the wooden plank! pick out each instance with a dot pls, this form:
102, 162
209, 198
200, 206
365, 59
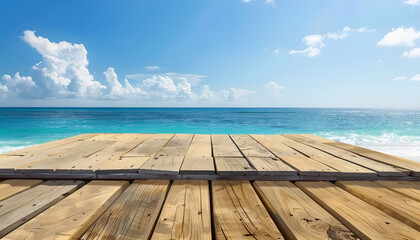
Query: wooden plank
233, 166
123, 165
381, 157
223, 146
344, 167
200, 146
381, 168
9, 165
305, 165
169, 159
71, 217
407, 188
198, 165
133, 214
365, 220
198, 159
297, 215
317, 138
49, 145
122, 144
271, 166
150, 146
251, 148
401, 207
238, 213
11, 187
20, 208
186, 212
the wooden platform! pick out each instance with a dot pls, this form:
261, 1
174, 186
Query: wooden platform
203, 157
201, 209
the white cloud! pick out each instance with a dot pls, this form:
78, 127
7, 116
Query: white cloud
63, 73
379, 61
413, 53
399, 78
63, 69
272, 2
277, 51
400, 37
151, 68
412, 2
415, 77
315, 42
273, 87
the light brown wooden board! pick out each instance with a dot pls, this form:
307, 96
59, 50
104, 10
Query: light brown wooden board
381, 157
169, 159
49, 145
186, 212
306, 166
223, 146
407, 188
297, 215
233, 166
365, 220
238, 213
11, 187
150, 146
271, 166
20, 208
122, 144
381, 168
82, 150
133, 214
71, 217
200, 146
317, 138
250, 147
397, 205
8, 164
197, 165
344, 167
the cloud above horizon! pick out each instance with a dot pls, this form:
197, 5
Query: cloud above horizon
315, 42
63, 73
412, 2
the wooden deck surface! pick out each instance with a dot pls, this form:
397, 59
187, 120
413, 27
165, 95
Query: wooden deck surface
182, 186
203, 157
201, 209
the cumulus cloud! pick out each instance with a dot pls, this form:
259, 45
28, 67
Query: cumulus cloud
399, 78
315, 42
415, 77
400, 37
151, 68
273, 87
63, 73
412, 2
413, 53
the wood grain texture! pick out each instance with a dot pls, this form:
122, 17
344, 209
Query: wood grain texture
186, 212
223, 146
169, 159
198, 165
20, 208
250, 147
150, 146
200, 146
407, 188
233, 166
133, 214
397, 205
381, 168
11, 187
71, 217
365, 220
238, 213
297, 215
271, 166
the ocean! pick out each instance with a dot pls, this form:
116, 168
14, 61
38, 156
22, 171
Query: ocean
387, 130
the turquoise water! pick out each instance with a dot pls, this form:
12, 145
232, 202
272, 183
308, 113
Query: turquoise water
393, 131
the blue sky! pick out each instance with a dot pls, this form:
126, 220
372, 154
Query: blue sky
210, 53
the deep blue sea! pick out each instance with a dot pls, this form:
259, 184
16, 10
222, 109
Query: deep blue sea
393, 131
